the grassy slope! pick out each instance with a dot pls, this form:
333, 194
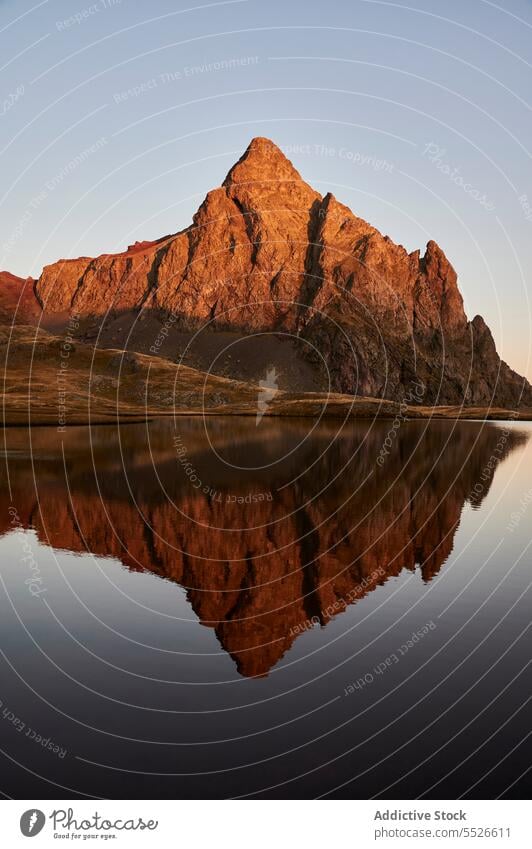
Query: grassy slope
55, 384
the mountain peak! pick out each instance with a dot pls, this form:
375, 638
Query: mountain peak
268, 254
262, 161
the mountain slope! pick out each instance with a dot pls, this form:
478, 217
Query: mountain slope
268, 254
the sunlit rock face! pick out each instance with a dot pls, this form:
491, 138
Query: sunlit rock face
266, 252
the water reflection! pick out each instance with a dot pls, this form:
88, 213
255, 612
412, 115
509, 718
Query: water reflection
271, 530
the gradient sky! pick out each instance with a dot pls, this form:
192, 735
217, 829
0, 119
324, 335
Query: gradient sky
117, 117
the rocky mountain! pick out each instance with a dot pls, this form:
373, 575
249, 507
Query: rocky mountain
266, 254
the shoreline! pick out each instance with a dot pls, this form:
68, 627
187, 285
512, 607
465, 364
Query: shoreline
365, 409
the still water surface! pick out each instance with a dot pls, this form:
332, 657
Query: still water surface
213, 608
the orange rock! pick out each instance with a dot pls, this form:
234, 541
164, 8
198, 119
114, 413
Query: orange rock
267, 252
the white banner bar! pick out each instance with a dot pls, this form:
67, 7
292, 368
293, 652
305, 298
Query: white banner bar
266, 824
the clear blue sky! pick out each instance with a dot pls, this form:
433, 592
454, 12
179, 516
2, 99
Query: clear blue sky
118, 117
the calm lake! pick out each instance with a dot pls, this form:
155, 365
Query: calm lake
218, 608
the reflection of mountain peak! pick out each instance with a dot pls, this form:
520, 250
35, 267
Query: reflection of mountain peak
261, 572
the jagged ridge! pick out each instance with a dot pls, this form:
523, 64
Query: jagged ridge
267, 252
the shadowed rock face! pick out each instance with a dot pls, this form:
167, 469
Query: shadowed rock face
267, 253
261, 561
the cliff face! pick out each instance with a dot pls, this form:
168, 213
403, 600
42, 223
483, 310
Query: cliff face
18, 303
266, 252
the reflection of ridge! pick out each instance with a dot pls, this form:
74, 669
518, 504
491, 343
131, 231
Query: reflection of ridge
261, 574
309, 548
